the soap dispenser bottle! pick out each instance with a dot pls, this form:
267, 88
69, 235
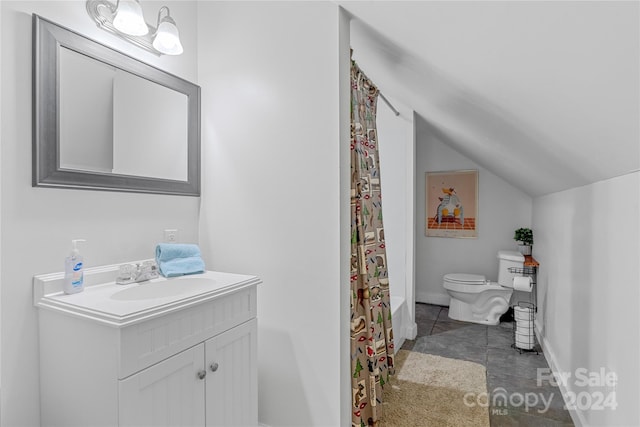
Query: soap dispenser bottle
74, 270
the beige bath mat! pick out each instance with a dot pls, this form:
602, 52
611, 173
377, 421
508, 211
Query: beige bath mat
430, 390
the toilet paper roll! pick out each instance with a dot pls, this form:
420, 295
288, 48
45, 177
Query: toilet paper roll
522, 283
524, 327
523, 317
525, 341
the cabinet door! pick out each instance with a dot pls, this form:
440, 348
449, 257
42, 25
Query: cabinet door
232, 377
170, 393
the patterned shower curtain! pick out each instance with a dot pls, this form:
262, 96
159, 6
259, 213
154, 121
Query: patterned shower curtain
371, 332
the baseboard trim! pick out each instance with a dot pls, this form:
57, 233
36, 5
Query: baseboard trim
432, 298
549, 355
411, 331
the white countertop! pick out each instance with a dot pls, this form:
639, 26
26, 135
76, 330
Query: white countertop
123, 305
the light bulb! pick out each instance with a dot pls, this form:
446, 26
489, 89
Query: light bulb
167, 38
129, 18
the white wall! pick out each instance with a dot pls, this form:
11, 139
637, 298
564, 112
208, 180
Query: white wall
397, 179
502, 209
38, 223
274, 191
587, 243
1, 97
395, 136
344, 69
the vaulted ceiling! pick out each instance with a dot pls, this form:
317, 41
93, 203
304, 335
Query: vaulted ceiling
544, 94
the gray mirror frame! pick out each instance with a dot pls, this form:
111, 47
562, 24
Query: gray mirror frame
48, 37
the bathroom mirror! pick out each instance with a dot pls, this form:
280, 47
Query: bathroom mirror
106, 121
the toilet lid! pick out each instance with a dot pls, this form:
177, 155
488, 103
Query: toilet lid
467, 279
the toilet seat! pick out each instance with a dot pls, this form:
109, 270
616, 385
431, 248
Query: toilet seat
470, 283
465, 279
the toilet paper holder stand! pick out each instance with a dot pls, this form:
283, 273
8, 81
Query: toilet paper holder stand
524, 339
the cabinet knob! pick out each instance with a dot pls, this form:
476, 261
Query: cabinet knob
202, 374
213, 367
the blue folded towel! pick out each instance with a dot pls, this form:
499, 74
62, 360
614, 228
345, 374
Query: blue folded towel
179, 259
167, 251
181, 266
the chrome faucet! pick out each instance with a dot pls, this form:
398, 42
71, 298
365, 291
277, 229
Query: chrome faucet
137, 273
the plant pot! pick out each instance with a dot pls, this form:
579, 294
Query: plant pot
524, 249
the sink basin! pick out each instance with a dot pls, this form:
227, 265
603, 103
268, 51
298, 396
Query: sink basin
164, 289
121, 306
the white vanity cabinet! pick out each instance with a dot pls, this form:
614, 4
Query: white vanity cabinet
178, 360
168, 393
172, 392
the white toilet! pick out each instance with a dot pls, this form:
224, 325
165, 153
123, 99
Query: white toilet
475, 299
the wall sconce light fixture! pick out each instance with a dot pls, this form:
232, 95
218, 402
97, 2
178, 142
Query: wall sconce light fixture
125, 20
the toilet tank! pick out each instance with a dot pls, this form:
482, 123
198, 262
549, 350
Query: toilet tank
507, 260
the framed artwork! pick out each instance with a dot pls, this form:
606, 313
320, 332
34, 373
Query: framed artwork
452, 204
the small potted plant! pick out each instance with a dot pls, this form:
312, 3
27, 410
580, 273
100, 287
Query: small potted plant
524, 237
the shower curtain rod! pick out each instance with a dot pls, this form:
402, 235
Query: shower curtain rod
386, 101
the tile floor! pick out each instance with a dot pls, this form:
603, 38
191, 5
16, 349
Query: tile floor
509, 373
